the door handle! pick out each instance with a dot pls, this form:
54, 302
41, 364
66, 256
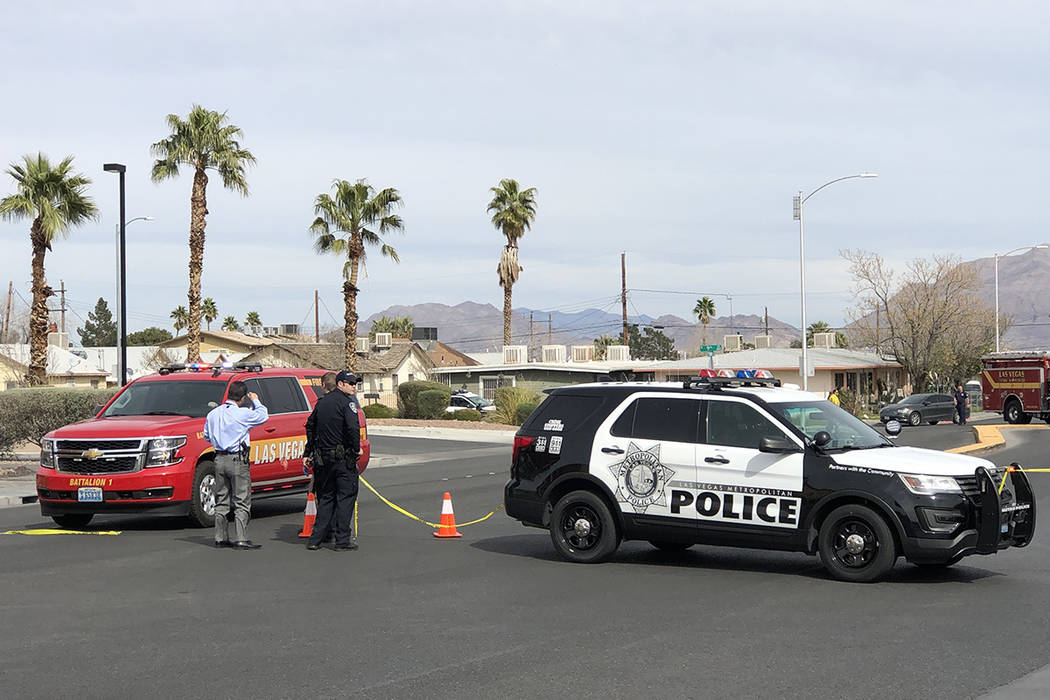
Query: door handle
716, 460
270, 430
614, 450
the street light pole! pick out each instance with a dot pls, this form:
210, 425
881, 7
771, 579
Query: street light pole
997, 256
122, 350
800, 201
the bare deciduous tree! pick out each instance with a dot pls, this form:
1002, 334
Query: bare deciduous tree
928, 317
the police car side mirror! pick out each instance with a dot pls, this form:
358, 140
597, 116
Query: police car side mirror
822, 439
776, 445
893, 428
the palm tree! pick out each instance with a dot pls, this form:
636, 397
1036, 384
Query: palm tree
704, 312
230, 324
355, 215
602, 343
209, 311
180, 316
513, 211
55, 200
204, 141
252, 320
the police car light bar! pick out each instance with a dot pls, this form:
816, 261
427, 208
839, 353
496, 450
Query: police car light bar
707, 381
215, 367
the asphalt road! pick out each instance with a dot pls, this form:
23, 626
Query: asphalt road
157, 612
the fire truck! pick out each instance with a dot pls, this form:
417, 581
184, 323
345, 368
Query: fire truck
1017, 384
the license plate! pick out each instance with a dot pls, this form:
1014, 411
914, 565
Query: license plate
89, 494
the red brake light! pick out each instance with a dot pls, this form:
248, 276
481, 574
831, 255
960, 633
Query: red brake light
520, 441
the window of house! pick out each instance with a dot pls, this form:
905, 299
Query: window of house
411, 377
94, 383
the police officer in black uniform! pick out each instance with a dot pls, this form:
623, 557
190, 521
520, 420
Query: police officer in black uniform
333, 443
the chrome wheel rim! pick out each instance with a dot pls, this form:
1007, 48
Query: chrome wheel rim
206, 492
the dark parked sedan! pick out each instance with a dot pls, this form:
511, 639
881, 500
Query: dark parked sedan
917, 408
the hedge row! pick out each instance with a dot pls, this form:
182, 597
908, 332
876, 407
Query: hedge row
408, 403
378, 410
26, 415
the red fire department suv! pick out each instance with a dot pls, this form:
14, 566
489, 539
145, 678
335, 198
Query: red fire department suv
144, 451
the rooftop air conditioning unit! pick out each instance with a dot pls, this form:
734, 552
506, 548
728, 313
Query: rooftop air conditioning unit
618, 353
824, 340
731, 343
554, 353
515, 354
290, 329
271, 330
582, 353
362, 345
763, 341
383, 340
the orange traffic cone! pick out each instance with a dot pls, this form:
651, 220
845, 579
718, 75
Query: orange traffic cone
448, 519
310, 516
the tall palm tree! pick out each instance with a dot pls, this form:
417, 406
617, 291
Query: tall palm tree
54, 198
354, 216
204, 141
513, 211
180, 317
704, 312
209, 311
230, 324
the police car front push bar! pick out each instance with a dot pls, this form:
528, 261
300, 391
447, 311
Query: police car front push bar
1000, 526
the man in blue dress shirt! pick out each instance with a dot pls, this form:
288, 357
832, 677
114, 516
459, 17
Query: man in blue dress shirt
226, 428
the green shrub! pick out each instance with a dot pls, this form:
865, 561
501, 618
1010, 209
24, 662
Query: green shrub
432, 403
523, 411
26, 415
378, 410
467, 415
408, 394
507, 400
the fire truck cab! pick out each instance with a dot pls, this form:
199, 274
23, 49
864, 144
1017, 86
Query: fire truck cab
1017, 384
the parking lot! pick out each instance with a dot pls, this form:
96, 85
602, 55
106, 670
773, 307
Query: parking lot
157, 611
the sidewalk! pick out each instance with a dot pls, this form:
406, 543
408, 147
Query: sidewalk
433, 433
16, 488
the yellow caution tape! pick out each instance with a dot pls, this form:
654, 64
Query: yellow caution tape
53, 531
1017, 468
404, 512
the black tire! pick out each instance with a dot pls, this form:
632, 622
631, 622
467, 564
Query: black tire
856, 544
73, 521
582, 528
932, 422
202, 513
1012, 412
670, 546
915, 418
1026, 418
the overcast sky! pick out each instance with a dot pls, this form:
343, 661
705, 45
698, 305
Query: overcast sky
677, 132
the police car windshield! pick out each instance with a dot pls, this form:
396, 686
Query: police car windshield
846, 430
168, 398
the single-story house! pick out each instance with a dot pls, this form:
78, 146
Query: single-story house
380, 370
228, 344
865, 373
484, 379
63, 368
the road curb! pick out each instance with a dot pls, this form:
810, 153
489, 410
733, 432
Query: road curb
496, 436
988, 437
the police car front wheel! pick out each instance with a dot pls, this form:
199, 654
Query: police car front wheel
856, 544
582, 528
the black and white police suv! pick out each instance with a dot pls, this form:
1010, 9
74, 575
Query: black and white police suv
746, 463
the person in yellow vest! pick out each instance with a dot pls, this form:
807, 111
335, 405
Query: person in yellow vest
833, 397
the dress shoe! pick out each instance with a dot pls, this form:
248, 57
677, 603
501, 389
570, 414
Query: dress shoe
246, 544
345, 547
313, 547
219, 544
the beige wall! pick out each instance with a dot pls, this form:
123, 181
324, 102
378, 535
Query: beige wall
384, 384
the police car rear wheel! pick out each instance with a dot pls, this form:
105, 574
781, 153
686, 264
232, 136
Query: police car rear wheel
856, 544
582, 528
670, 546
73, 521
202, 500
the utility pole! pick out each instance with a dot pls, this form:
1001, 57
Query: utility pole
623, 293
7, 314
62, 292
317, 323
767, 320
530, 337
550, 335
876, 330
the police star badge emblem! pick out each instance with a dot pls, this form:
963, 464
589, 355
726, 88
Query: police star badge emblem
641, 478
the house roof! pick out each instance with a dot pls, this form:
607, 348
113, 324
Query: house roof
331, 356
592, 367
60, 362
446, 356
777, 359
253, 341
